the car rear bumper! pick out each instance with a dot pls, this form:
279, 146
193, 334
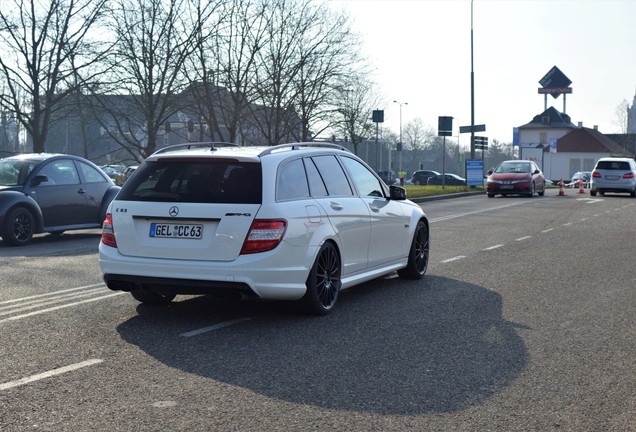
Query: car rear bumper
602, 186
257, 275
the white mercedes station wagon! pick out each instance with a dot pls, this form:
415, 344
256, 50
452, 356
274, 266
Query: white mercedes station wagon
289, 222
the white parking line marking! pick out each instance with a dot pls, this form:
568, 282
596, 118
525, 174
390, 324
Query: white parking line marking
26, 315
49, 374
493, 247
523, 238
458, 257
214, 327
567, 224
54, 293
9, 309
547, 230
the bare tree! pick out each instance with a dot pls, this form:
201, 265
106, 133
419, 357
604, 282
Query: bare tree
154, 40
418, 137
328, 56
355, 110
622, 115
222, 71
45, 46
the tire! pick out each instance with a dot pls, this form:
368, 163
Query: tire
149, 297
593, 193
542, 191
532, 191
491, 195
418, 254
632, 194
19, 227
323, 282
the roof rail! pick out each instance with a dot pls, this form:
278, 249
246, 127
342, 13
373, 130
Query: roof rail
185, 146
298, 145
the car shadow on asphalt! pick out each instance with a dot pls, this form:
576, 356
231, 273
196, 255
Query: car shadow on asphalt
390, 347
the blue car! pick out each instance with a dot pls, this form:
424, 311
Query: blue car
51, 193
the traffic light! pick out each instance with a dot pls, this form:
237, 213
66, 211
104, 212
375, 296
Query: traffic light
166, 126
190, 126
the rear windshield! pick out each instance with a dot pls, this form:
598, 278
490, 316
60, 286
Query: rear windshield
613, 165
199, 181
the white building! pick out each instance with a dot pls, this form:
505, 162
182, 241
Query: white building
561, 148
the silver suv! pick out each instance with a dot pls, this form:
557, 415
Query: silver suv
290, 222
613, 174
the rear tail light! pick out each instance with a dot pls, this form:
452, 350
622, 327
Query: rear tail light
108, 233
264, 235
595, 174
628, 175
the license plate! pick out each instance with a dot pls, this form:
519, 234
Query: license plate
506, 186
612, 177
179, 231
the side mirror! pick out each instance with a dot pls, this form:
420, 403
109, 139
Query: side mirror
39, 179
397, 193
489, 172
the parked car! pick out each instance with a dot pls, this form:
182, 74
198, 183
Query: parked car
578, 177
114, 170
421, 177
289, 222
515, 177
126, 173
388, 177
447, 179
51, 193
612, 174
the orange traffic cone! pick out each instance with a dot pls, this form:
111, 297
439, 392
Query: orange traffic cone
561, 188
581, 190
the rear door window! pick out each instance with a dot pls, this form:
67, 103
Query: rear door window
333, 176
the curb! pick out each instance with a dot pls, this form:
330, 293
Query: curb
446, 196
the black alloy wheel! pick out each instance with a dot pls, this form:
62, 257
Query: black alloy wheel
418, 255
323, 282
19, 227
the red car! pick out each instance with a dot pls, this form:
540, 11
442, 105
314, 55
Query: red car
515, 177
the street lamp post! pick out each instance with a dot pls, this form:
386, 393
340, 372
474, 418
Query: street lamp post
401, 143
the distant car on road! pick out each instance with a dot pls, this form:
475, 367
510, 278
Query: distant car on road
447, 180
614, 174
515, 177
51, 193
421, 177
584, 176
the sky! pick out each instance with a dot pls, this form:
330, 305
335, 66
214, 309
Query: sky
420, 52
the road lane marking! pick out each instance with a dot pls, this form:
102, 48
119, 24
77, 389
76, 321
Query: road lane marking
213, 327
493, 247
523, 238
454, 216
49, 374
547, 230
458, 257
26, 315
